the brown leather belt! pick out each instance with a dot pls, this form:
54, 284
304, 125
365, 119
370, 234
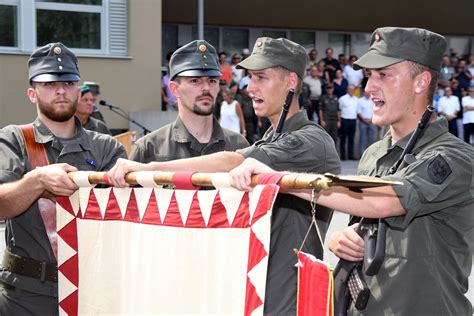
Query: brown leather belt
29, 267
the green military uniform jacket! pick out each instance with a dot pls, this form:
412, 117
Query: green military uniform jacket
173, 141
303, 146
25, 234
428, 258
330, 107
97, 126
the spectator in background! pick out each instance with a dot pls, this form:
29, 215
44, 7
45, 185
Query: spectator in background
471, 68
354, 77
331, 64
84, 110
237, 74
250, 118
226, 69
446, 73
314, 84
348, 107
312, 58
329, 113
245, 53
340, 84
232, 117
323, 75
449, 106
463, 75
343, 60
468, 115
168, 97
367, 130
95, 90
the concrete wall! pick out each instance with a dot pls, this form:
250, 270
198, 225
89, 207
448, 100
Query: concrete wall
132, 83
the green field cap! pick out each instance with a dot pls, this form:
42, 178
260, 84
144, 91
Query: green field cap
391, 45
269, 52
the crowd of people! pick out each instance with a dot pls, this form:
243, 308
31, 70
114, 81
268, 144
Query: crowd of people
333, 96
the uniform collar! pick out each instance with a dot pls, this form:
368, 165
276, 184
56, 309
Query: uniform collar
44, 135
433, 130
181, 134
291, 124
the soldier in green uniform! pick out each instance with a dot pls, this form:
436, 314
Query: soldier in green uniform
28, 279
85, 107
430, 218
276, 65
329, 113
194, 74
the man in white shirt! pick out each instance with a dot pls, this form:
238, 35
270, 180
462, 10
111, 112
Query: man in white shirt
468, 115
449, 106
367, 130
348, 107
312, 80
353, 77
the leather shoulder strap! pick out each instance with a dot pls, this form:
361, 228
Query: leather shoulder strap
35, 151
38, 157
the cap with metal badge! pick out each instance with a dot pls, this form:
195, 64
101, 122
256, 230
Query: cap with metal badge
391, 45
269, 52
53, 62
195, 59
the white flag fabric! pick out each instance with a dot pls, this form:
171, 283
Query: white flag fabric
153, 251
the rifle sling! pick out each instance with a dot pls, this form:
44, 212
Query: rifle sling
38, 157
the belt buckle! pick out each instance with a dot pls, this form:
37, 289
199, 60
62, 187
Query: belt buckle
43, 272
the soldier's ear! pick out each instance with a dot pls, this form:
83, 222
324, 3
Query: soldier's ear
422, 81
31, 92
173, 86
293, 82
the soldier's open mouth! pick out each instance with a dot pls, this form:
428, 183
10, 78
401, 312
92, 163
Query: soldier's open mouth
378, 102
257, 100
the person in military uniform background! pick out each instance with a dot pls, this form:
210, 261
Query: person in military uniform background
329, 113
28, 279
429, 218
94, 88
194, 74
85, 107
276, 65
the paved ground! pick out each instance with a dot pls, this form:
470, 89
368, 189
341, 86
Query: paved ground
339, 221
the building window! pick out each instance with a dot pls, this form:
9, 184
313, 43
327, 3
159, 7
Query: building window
211, 35
304, 38
8, 26
169, 41
96, 27
234, 40
274, 33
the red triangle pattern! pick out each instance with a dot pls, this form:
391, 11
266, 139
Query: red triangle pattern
152, 215
252, 300
173, 216
69, 234
265, 202
132, 214
256, 251
195, 219
242, 217
70, 269
218, 218
70, 304
92, 210
65, 204
112, 211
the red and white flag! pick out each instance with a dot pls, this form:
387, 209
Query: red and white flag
159, 251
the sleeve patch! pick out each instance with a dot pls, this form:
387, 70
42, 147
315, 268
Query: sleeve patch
290, 141
439, 170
